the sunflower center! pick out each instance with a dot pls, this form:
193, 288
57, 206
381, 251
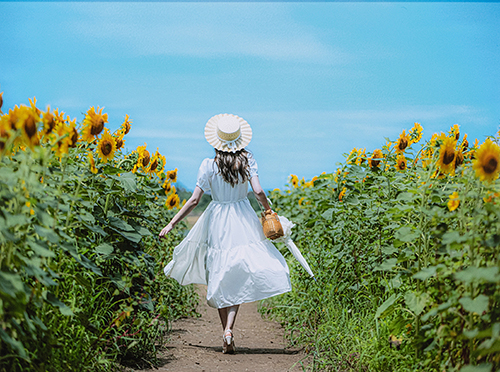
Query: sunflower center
459, 161
145, 159
403, 143
106, 147
154, 165
448, 157
490, 166
375, 163
97, 127
119, 144
30, 126
402, 165
172, 202
2, 145
74, 138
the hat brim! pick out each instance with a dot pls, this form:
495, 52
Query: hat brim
215, 141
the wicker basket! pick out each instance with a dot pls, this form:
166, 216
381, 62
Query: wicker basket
271, 225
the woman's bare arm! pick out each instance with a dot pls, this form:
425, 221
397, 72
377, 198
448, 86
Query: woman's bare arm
185, 210
259, 192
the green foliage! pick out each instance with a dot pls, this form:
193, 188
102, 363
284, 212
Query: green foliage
81, 280
405, 282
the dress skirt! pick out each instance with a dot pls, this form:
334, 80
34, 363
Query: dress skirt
227, 251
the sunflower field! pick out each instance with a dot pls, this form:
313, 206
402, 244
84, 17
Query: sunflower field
81, 280
405, 244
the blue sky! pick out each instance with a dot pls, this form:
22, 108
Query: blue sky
313, 80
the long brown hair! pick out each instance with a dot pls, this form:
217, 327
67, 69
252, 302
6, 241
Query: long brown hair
233, 166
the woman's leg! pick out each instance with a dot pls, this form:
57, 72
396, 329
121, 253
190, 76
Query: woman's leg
223, 317
232, 311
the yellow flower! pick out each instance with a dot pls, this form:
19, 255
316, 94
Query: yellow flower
49, 122
446, 161
342, 194
455, 132
295, 180
173, 201
352, 155
27, 120
374, 160
126, 125
490, 197
153, 164
401, 163
106, 147
415, 133
360, 156
453, 202
487, 161
309, 184
93, 168
64, 137
93, 124
120, 142
301, 200
172, 175
402, 142
459, 158
167, 186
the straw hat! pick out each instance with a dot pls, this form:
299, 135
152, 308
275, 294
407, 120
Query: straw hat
227, 132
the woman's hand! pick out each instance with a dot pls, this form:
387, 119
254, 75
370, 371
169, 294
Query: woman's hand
165, 230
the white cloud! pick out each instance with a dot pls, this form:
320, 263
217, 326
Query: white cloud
205, 30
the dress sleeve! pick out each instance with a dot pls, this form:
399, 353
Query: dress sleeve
203, 176
252, 163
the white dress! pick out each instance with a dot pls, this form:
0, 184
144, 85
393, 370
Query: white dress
226, 248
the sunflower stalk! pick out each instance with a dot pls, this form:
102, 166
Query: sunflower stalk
106, 205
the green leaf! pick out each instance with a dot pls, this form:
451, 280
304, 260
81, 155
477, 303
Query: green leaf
11, 283
453, 237
474, 274
127, 180
327, 215
485, 367
425, 273
120, 224
387, 307
49, 234
406, 234
416, 302
387, 265
53, 300
14, 344
41, 249
477, 305
104, 249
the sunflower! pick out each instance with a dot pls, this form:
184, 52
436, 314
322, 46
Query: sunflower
415, 133
454, 132
402, 142
459, 157
93, 124
93, 168
401, 163
27, 120
301, 200
172, 175
453, 202
360, 156
1, 102
373, 161
4, 132
342, 194
153, 164
106, 147
167, 186
49, 122
73, 133
126, 125
487, 161
173, 201
446, 161
62, 134
120, 142
465, 143
295, 180
352, 155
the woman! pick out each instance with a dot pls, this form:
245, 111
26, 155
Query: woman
226, 248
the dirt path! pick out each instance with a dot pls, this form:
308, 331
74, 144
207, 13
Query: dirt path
196, 344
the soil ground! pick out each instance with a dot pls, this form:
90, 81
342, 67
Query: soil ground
196, 344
